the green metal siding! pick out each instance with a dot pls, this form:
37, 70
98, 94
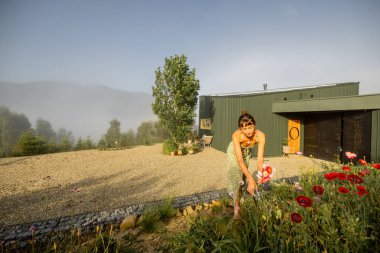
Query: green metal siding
226, 109
375, 136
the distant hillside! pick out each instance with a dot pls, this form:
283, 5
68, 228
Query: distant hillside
84, 110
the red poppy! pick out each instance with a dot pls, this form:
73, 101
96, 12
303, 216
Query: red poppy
364, 173
362, 190
328, 176
361, 161
317, 189
331, 176
342, 176
296, 217
346, 168
354, 179
376, 166
343, 189
304, 201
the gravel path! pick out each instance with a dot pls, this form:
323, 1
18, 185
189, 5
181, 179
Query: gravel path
55, 185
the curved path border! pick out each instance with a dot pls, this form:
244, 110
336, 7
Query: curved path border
54, 229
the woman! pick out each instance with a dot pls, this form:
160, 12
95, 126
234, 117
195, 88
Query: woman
238, 154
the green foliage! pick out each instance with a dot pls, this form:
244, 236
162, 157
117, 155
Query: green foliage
44, 129
88, 144
195, 147
128, 139
79, 144
168, 146
102, 143
150, 132
148, 220
175, 93
12, 125
65, 140
166, 210
145, 133
65, 144
112, 137
154, 213
335, 222
30, 144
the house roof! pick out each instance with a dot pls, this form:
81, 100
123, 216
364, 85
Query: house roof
258, 92
345, 103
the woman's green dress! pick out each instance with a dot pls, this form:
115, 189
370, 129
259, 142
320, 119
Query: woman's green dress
236, 179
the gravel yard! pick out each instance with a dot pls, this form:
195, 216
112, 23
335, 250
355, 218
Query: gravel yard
50, 186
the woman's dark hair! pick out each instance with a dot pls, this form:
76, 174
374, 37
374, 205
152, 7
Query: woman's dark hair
246, 119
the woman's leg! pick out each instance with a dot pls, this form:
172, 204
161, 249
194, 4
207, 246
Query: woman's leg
237, 203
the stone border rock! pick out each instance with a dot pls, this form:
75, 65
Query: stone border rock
43, 231
55, 229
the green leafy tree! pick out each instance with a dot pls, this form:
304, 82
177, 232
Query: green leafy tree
175, 93
65, 144
12, 125
88, 143
102, 143
128, 139
30, 144
65, 140
161, 133
145, 133
79, 144
112, 137
44, 128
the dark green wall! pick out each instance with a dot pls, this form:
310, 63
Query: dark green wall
226, 109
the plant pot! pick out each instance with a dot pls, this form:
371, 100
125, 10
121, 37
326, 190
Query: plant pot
172, 153
179, 152
285, 150
191, 151
189, 141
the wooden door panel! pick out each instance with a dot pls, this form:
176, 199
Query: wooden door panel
310, 136
357, 133
294, 131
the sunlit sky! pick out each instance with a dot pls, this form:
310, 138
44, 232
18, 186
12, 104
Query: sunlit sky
235, 46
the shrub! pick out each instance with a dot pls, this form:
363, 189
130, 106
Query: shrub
148, 220
168, 146
166, 210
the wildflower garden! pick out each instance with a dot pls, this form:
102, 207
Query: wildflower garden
334, 211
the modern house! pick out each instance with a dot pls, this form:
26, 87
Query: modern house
322, 121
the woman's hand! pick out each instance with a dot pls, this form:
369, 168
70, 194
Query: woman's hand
251, 186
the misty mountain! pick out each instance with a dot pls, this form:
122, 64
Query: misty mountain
84, 110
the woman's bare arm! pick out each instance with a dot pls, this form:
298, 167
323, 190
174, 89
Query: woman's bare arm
260, 151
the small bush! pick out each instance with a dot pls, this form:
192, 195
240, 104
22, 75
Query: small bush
149, 220
168, 146
166, 210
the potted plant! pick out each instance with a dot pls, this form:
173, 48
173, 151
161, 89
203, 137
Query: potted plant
179, 151
285, 147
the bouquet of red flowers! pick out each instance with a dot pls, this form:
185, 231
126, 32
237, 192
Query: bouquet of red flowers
266, 174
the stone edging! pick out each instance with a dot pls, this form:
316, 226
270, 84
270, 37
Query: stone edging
54, 229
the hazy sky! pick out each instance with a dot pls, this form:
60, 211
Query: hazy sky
235, 46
